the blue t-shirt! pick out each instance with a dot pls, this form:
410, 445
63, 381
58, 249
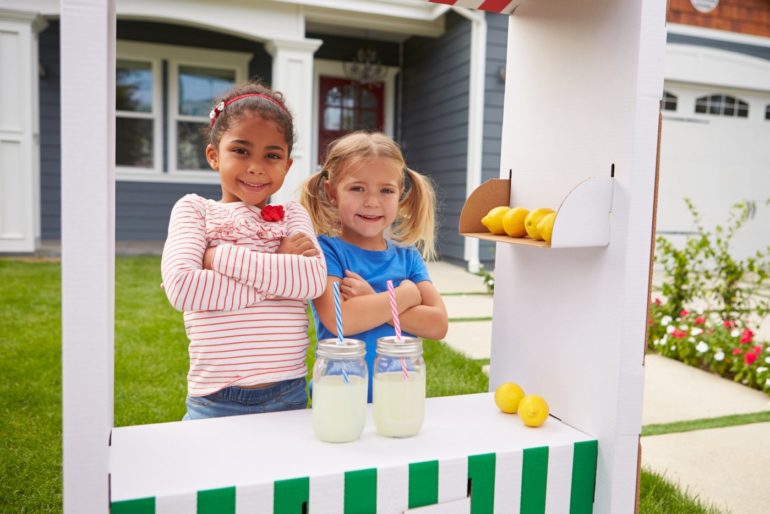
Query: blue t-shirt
396, 263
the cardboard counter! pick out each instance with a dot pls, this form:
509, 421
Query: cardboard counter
266, 463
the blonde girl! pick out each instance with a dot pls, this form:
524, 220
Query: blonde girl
241, 269
375, 220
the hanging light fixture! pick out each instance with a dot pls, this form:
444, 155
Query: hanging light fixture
366, 67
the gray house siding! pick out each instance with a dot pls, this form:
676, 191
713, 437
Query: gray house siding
434, 127
50, 123
494, 92
761, 52
142, 208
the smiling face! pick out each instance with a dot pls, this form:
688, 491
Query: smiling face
252, 159
366, 197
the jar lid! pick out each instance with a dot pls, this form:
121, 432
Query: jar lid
404, 347
349, 348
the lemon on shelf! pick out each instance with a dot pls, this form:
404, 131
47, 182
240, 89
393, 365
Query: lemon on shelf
533, 410
507, 397
494, 219
513, 222
532, 220
545, 227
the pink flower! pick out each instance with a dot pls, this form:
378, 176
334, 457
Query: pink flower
757, 349
737, 351
750, 358
747, 336
728, 323
657, 301
272, 212
700, 320
683, 313
678, 334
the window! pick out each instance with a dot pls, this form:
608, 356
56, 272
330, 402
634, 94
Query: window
722, 105
197, 87
163, 98
669, 101
767, 112
346, 106
137, 114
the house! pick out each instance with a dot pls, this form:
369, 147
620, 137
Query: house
715, 142
437, 75
439, 94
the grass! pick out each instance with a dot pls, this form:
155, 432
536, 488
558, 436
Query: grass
658, 496
703, 424
150, 368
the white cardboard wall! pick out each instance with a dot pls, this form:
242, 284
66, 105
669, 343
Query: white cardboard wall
582, 93
88, 248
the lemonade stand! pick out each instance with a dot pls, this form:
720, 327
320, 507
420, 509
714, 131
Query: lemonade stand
580, 134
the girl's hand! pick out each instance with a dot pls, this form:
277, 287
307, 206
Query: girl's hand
413, 292
354, 285
298, 244
208, 257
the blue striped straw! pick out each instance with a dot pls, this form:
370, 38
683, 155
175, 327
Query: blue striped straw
338, 315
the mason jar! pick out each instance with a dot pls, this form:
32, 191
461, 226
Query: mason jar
340, 382
399, 386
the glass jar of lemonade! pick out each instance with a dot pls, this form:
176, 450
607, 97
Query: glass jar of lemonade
340, 382
399, 386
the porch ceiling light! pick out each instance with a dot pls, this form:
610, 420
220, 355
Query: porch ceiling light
366, 67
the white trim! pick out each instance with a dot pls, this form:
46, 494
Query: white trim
19, 134
478, 53
719, 35
715, 67
330, 68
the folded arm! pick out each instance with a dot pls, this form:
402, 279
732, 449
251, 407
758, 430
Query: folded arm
429, 319
361, 313
187, 285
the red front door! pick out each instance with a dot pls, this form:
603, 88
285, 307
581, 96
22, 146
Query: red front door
346, 106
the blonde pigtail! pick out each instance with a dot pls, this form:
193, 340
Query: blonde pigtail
313, 199
416, 223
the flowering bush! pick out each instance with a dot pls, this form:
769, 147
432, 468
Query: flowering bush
726, 347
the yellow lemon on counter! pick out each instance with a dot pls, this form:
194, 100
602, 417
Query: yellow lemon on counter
494, 219
532, 220
507, 397
513, 222
533, 410
545, 227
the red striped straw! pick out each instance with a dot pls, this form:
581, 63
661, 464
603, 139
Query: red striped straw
396, 324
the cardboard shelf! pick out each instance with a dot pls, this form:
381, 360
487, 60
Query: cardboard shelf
582, 219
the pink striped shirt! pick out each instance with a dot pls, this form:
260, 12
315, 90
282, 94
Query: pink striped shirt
246, 318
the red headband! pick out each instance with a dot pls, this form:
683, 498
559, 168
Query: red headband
217, 110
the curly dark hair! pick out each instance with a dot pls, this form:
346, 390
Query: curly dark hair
267, 109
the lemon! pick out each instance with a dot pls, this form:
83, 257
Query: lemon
494, 219
533, 218
507, 397
533, 410
545, 227
513, 222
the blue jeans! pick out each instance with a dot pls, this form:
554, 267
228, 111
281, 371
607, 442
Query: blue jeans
234, 401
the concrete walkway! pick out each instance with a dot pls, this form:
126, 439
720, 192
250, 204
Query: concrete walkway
726, 467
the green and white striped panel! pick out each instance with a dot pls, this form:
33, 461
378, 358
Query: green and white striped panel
558, 479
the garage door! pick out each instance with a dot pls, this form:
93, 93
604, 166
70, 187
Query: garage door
715, 149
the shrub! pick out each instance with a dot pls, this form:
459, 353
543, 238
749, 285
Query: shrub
707, 341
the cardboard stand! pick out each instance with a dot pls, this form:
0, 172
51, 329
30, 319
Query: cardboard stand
582, 219
582, 90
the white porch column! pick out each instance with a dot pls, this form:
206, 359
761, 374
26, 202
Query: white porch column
293, 76
19, 131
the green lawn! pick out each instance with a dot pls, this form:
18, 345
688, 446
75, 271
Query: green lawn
150, 368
